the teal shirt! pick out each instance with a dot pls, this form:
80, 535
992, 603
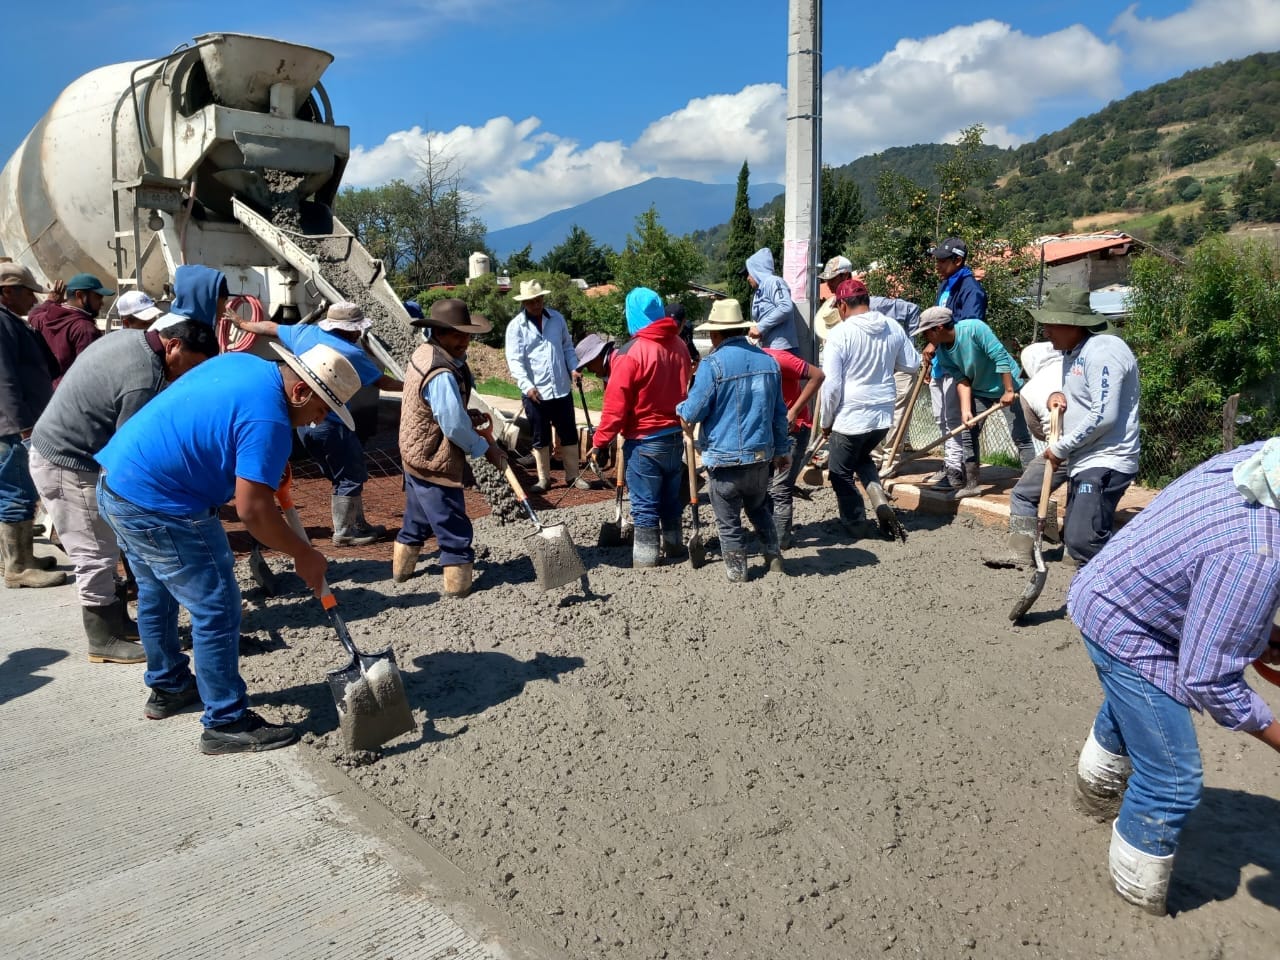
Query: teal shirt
979, 357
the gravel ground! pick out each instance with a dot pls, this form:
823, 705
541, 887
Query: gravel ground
862, 758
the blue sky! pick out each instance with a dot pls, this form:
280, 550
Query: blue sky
547, 103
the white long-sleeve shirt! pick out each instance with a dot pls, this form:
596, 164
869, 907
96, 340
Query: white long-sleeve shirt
859, 361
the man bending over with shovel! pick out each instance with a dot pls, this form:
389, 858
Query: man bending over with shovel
649, 375
437, 434
223, 430
737, 397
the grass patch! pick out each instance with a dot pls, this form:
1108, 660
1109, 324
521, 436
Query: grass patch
496, 387
1001, 459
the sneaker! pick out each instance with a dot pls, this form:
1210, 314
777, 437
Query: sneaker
163, 704
249, 734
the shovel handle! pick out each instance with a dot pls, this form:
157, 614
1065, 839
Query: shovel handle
904, 424
693, 473
961, 429
330, 604
521, 496
1046, 486
622, 467
582, 395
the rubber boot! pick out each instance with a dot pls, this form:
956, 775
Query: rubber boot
1101, 778
543, 460
952, 480
347, 530
783, 529
377, 528
104, 626
644, 548
1019, 548
1139, 878
128, 626
853, 516
886, 518
15, 540
673, 547
773, 564
972, 487
404, 558
936, 477
735, 566
457, 580
1052, 532
572, 478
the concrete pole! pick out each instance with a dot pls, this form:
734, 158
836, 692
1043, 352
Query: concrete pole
802, 226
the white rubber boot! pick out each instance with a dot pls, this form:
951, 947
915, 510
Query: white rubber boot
1101, 777
572, 478
543, 459
1138, 877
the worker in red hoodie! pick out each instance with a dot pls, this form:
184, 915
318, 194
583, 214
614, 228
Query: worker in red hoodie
68, 328
649, 375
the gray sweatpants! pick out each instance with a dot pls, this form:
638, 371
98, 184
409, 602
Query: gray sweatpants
71, 499
735, 489
946, 411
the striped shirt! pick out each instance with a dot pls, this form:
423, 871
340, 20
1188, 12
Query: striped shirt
1185, 594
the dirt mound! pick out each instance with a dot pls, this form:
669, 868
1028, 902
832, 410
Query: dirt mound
861, 758
488, 363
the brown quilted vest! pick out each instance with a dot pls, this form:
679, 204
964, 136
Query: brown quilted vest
424, 450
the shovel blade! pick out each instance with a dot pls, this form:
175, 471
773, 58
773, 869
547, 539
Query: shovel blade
1034, 586
610, 534
261, 573
555, 558
697, 550
372, 706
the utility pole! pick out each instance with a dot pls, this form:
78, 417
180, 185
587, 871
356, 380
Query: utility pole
803, 218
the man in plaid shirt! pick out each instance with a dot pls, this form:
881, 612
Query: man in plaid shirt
1172, 610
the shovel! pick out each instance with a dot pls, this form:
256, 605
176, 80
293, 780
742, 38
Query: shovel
697, 550
555, 558
904, 425
616, 532
261, 572
1041, 573
585, 439
916, 454
372, 706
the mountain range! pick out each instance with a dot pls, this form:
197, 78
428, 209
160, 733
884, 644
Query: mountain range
685, 206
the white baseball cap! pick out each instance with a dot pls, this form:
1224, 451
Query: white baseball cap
135, 303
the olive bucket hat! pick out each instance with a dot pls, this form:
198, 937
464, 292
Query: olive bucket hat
1068, 308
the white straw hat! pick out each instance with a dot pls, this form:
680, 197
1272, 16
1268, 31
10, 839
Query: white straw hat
529, 290
725, 315
328, 373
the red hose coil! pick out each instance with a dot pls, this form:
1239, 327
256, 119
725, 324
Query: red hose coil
231, 339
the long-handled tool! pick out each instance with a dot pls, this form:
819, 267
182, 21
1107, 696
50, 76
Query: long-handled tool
916, 454
904, 425
260, 571
615, 532
368, 691
697, 549
1041, 573
555, 558
586, 440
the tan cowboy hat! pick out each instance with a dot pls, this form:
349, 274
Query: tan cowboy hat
529, 290
452, 314
826, 319
725, 315
328, 373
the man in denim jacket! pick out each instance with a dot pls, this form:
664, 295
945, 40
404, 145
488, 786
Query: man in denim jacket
737, 397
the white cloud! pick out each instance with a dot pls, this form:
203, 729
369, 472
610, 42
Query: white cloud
923, 90
1206, 32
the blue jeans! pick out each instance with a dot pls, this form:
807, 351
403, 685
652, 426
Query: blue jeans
1156, 732
187, 561
18, 496
430, 508
654, 467
338, 452
782, 483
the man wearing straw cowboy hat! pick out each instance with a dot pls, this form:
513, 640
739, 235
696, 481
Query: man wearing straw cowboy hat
542, 361
222, 431
437, 434
335, 448
649, 376
737, 397
1099, 445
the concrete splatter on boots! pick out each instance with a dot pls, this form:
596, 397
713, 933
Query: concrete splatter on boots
1052, 532
404, 558
946, 480
644, 548
972, 485
543, 459
349, 528
1019, 548
104, 626
20, 569
1139, 877
673, 547
1101, 778
735, 566
457, 580
773, 563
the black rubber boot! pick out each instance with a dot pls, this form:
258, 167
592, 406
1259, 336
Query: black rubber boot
104, 626
735, 566
645, 548
673, 547
349, 528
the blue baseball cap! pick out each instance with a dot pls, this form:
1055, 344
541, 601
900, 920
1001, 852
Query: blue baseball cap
87, 282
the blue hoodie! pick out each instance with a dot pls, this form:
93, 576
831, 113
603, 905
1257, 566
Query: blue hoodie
195, 293
772, 311
643, 307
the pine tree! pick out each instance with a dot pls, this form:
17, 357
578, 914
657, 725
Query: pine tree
741, 243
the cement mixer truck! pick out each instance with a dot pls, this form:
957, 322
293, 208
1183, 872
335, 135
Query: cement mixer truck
223, 152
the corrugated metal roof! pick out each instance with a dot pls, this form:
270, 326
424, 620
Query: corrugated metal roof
1064, 249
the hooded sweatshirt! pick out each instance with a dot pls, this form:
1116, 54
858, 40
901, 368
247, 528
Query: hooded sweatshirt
859, 362
643, 308
196, 291
649, 376
67, 330
772, 310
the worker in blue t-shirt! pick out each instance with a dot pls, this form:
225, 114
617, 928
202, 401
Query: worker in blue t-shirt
330, 443
222, 431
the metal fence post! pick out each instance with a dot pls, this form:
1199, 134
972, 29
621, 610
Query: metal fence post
1229, 410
